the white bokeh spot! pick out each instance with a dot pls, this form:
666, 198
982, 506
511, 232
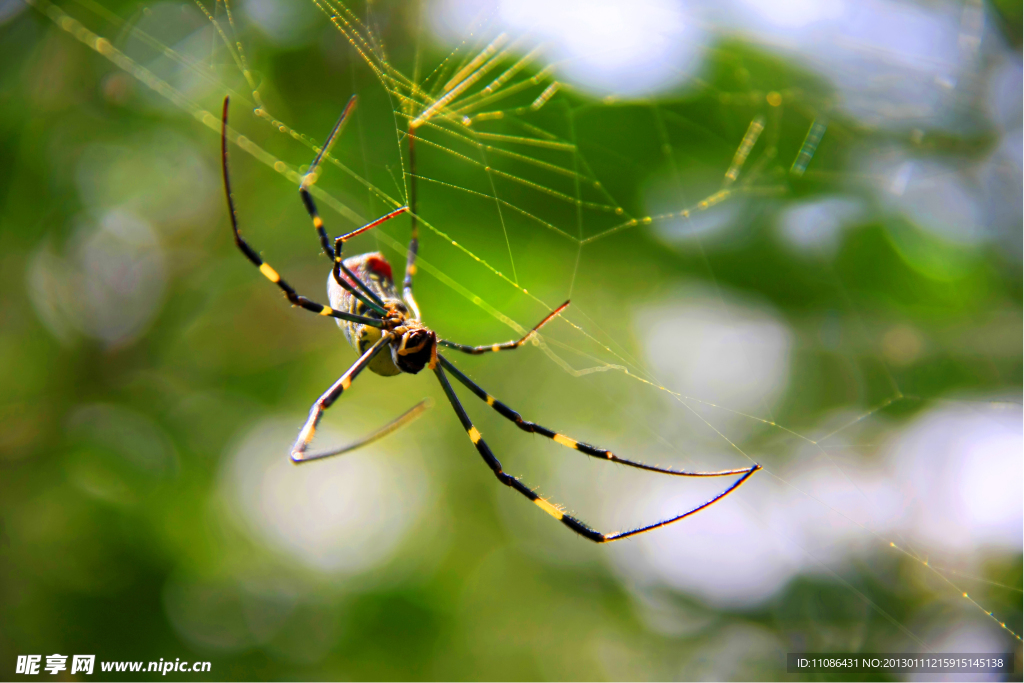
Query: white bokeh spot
346, 515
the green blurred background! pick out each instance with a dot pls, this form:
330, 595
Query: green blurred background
855, 328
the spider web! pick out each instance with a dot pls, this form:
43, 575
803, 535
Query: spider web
494, 111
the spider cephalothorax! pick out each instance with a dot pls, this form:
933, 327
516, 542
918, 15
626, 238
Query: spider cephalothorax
366, 306
414, 346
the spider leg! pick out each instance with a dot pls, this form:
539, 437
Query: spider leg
312, 175
254, 258
399, 422
505, 346
339, 263
593, 451
414, 239
334, 252
298, 452
555, 511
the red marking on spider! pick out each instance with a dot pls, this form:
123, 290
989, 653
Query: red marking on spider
379, 266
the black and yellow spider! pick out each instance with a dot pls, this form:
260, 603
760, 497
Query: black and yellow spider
366, 306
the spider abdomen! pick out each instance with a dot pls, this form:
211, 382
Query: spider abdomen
375, 272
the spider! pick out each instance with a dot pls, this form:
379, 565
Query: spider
388, 333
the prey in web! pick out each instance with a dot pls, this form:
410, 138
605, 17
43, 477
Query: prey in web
387, 331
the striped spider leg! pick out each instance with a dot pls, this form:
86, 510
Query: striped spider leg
313, 174
555, 511
268, 272
414, 239
348, 281
504, 346
340, 267
306, 434
298, 452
